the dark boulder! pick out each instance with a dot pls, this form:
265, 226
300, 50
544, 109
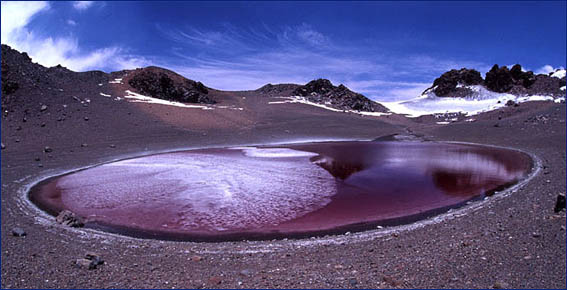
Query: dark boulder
163, 84
499, 79
525, 79
18, 232
560, 203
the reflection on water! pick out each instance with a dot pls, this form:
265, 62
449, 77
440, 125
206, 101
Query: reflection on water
280, 191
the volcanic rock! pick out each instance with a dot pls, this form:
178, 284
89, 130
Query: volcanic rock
95, 258
560, 203
215, 280
452, 81
499, 79
322, 91
246, 272
510, 103
545, 85
277, 90
515, 81
500, 285
18, 232
70, 219
525, 79
84, 264
164, 84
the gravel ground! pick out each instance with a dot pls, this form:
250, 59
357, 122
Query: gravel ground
510, 240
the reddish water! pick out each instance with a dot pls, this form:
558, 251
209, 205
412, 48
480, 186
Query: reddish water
288, 191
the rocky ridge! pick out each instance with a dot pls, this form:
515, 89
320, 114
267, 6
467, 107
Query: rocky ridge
277, 90
165, 84
322, 91
515, 81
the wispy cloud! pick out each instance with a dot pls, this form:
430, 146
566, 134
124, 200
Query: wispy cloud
82, 5
241, 59
50, 51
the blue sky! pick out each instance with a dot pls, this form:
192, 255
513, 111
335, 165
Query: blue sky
385, 50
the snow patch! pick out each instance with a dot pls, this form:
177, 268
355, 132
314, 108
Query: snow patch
481, 101
115, 81
105, 95
137, 98
303, 100
560, 73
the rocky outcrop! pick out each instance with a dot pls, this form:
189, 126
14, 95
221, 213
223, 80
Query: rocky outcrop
163, 84
547, 86
25, 83
502, 80
68, 218
277, 90
515, 81
452, 82
322, 91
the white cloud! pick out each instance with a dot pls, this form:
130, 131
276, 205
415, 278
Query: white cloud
82, 5
16, 15
50, 51
547, 69
71, 22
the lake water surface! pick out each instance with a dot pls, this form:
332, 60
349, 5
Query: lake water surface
285, 191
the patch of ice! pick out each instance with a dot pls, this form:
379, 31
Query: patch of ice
559, 74
303, 100
276, 153
193, 191
105, 95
